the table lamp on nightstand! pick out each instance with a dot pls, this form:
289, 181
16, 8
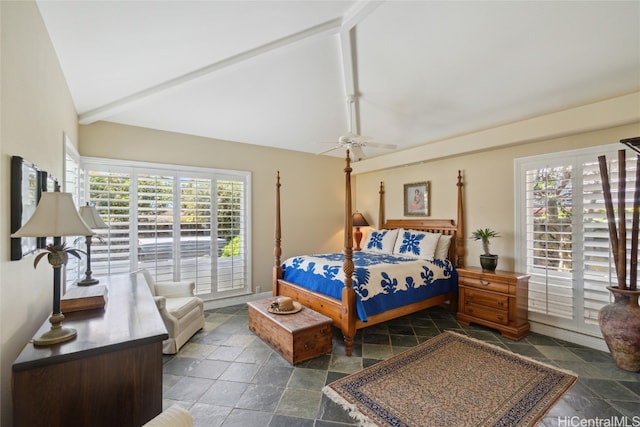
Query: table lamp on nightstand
55, 216
358, 221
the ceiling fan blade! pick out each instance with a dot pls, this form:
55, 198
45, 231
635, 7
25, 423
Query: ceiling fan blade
358, 154
354, 141
347, 138
362, 138
322, 144
335, 147
381, 145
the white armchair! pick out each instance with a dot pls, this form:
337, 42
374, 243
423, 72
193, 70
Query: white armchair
181, 311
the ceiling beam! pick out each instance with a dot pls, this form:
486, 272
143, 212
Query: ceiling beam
351, 19
107, 110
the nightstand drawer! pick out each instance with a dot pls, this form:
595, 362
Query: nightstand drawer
486, 313
471, 296
488, 285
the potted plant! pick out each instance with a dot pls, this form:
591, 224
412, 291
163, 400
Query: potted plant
488, 261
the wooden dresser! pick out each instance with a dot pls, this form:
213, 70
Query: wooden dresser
497, 300
109, 375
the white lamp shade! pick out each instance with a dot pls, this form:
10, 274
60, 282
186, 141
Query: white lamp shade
55, 216
91, 217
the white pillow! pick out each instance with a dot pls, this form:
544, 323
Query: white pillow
417, 244
442, 249
380, 241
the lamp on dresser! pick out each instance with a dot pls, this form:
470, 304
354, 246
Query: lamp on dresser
358, 221
55, 216
91, 217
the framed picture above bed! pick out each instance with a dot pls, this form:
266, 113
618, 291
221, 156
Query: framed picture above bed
416, 199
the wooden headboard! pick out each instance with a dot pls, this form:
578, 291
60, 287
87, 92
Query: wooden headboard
446, 227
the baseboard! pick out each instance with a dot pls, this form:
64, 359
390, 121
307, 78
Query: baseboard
570, 336
225, 302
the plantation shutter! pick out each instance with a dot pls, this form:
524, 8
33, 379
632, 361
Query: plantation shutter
187, 224
111, 249
564, 243
155, 224
196, 235
71, 182
549, 240
597, 258
598, 265
232, 228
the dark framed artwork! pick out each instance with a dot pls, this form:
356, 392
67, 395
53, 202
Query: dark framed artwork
49, 183
26, 186
416, 199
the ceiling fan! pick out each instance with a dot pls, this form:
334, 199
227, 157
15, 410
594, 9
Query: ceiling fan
354, 142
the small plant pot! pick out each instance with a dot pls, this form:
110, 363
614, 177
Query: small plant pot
489, 262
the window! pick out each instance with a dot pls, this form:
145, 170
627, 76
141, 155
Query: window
70, 183
180, 223
549, 239
563, 238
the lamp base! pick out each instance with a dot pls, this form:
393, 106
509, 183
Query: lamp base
88, 281
357, 234
57, 333
54, 336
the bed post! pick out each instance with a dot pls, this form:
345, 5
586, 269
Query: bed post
348, 320
277, 250
381, 206
460, 229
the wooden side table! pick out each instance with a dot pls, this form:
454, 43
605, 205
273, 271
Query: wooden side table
498, 300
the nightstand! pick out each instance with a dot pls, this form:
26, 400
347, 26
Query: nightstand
497, 300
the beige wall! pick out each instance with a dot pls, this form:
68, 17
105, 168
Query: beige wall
312, 186
36, 110
488, 187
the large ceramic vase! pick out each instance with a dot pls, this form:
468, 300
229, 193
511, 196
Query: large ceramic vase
620, 326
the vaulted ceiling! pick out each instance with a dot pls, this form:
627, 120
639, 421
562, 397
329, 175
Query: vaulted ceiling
277, 73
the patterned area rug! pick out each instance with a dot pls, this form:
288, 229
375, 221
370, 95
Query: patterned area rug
451, 380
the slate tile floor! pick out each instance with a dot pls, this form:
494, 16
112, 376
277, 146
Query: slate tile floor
226, 376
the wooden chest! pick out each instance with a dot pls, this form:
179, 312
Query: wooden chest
296, 337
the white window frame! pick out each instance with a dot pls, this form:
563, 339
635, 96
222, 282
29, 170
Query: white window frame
576, 326
72, 184
135, 167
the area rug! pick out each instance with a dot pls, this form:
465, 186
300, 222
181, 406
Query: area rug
452, 380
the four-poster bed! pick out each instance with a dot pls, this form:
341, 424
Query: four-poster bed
345, 308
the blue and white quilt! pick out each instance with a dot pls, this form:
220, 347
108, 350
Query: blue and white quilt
381, 281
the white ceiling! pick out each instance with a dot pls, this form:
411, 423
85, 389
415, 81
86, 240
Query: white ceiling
276, 73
